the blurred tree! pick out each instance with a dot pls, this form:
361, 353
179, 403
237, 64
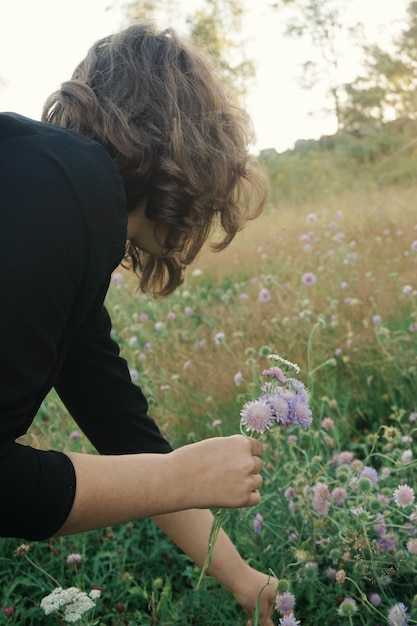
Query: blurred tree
216, 25
387, 89
324, 23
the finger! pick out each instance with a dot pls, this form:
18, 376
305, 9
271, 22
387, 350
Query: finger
257, 482
256, 446
257, 465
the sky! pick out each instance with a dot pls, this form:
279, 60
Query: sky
41, 41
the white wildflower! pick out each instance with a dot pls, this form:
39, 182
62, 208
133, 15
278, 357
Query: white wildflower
73, 602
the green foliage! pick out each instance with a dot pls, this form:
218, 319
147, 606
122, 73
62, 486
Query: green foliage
376, 155
215, 26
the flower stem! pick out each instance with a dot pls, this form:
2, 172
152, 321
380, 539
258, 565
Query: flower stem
214, 533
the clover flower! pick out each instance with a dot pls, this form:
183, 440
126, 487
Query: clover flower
398, 615
403, 496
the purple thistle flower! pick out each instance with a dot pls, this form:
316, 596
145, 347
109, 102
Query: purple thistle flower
288, 620
414, 246
237, 379
369, 472
257, 416
398, 615
339, 495
257, 523
321, 497
403, 496
74, 559
284, 602
386, 543
279, 407
264, 295
308, 279
299, 388
302, 412
412, 546
375, 599
275, 372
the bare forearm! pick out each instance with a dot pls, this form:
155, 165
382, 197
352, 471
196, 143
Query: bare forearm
115, 489
190, 531
218, 472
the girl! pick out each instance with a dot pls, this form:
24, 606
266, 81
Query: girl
140, 156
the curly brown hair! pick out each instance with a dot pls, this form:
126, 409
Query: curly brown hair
158, 105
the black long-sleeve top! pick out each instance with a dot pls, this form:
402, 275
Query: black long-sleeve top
63, 225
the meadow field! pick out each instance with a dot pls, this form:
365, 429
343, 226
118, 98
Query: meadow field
326, 278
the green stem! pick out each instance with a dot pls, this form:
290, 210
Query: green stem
214, 533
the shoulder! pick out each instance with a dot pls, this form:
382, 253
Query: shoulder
64, 179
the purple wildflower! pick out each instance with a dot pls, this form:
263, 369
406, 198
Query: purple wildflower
284, 602
279, 407
398, 615
369, 472
237, 379
339, 495
257, 416
327, 423
386, 543
257, 523
375, 599
134, 374
308, 279
377, 320
264, 295
117, 278
412, 546
288, 620
74, 559
321, 497
275, 372
403, 496
302, 412
8, 611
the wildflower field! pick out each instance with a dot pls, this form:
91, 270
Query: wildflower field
328, 282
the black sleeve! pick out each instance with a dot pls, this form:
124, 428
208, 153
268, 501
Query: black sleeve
37, 489
96, 387
62, 229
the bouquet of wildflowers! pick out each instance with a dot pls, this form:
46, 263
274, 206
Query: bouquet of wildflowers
283, 402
